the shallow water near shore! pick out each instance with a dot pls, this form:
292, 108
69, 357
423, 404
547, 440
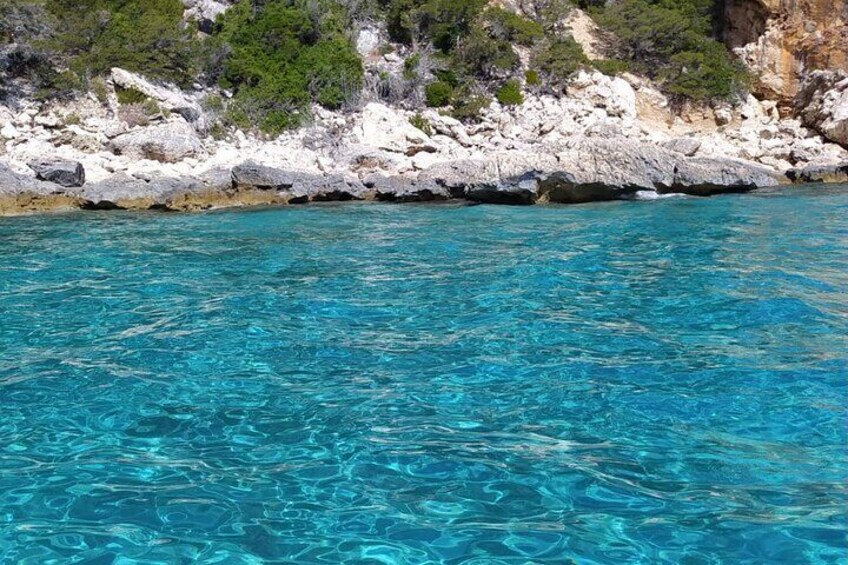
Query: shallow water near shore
644, 382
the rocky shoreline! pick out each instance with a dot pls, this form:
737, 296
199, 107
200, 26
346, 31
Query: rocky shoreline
607, 138
584, 170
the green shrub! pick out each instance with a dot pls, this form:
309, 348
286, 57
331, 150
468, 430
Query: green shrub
145, 36
421, 123
670, 41
468, 107
57, 84
100, 90
509, 26
551, 13
410, 66
531, 77
476, 43
23, 25
72, 119
152, 108
705, 74
218, 131
129, 96
443, 23
400, 22
333, 71
23, 63
438, 94
646, 32
283, 56
510, 93
558, 60
448, 76
446, 22
214, 103
611, 67
482, 56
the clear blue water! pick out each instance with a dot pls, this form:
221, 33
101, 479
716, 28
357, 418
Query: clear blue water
657, 382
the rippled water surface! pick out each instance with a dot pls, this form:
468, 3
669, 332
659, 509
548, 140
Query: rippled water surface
656, 382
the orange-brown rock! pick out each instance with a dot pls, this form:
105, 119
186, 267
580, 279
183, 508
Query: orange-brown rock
783, 40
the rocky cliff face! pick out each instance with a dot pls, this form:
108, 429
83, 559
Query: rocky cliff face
782, 41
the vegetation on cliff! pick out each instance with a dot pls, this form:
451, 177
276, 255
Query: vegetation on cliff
671, 41
278, 57
59, 45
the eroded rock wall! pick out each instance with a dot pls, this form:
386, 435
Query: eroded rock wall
782, 41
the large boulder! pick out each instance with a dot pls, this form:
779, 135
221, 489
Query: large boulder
398, 188
168, 97
334, 188
523, 190
513, 177
684, 145
621, 164
822, 104
582, 170
261, 177
205, 11
456, 175
296, 186
388, 129
612, 94
483, 180
816, 174
63, 173
22, 194
588, 169
707, 176
12, 183
121, 191
169, 143
623, 167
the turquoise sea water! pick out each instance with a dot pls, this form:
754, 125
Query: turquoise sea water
650, 382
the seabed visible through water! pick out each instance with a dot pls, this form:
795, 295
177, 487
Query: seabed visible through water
653, 382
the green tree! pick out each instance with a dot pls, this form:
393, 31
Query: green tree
145, 36
670, 40
557, 60
282, 56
